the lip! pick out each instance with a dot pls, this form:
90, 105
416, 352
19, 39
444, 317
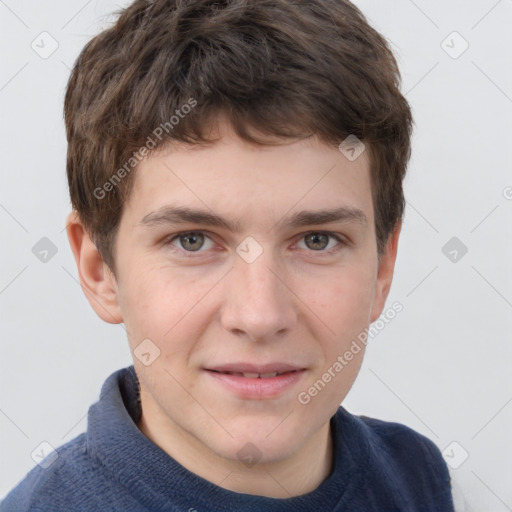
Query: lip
255, 368
231, 377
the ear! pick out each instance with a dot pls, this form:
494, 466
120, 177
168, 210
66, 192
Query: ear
385, 273
97, 280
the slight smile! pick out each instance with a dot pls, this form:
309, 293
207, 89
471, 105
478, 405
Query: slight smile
257, 381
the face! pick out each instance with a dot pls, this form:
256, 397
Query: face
250, 270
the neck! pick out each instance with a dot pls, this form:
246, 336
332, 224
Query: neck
300, 473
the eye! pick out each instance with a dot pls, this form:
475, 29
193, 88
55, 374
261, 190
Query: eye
192, 241
320, 241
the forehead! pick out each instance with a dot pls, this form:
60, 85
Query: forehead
244, 181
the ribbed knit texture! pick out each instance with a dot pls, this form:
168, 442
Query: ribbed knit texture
378, 467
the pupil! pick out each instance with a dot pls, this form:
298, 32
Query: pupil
192, 241
317, 241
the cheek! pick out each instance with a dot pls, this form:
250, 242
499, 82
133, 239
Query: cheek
344, 298
344, 306
146, 304
157, 303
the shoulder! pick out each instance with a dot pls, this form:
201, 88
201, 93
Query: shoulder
401, 445
59, 483
395, 435
410, 460
405, 467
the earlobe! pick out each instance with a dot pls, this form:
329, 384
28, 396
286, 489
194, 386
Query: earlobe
97, 281
386, 268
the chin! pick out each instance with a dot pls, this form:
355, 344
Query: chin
250, 451
262, 441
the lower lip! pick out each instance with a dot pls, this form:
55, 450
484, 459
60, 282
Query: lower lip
270, 387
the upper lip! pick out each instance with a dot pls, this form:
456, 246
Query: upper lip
255, 368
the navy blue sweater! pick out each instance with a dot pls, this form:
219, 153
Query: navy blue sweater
378, 467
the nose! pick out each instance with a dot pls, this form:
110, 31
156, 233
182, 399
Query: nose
258, 304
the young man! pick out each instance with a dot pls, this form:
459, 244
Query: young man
236, 173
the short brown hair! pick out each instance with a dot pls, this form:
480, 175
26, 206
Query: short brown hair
282, 68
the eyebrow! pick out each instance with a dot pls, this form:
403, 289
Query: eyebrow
181, 215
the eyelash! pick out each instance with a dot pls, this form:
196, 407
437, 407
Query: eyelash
194, 254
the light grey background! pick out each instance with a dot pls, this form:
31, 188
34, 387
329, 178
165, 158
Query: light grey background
442, 366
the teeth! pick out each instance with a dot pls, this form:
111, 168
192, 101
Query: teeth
249, 375
259, 375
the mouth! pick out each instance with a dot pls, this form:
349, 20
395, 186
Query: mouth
257, 382
255, 375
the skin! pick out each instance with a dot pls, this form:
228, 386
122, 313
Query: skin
297, 303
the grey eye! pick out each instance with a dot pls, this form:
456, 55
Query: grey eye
316, 241
191, 241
